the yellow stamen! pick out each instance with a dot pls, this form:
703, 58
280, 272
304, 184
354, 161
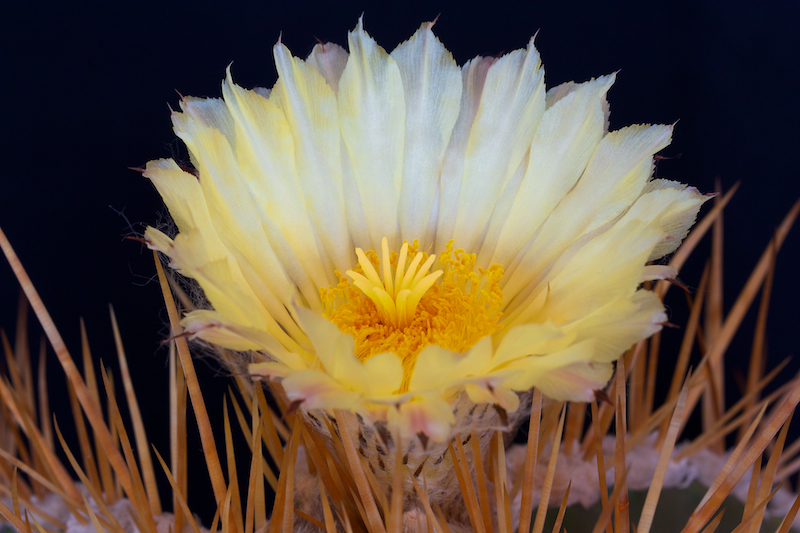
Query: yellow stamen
453, 307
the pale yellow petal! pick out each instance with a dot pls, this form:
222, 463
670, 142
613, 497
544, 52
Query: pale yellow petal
356, 216
608, 267
372, 123
473, 76
528, 339
432, 90
317, 390
329, 59
211, 113
612, 263
379, 376
270, 370
427, 414
477, 360
435, 367
439, 369
384, 374
684, 203
565, 139
496, 395
212, 327
265, 158
576, 382
570, 374
511, 106
554, 94
618, 325
328, 342
181, 193
216, 273
236, 220
310, 108
221, 280
654, 272
614, 178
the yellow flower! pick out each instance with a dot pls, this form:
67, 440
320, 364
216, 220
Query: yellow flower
399, 236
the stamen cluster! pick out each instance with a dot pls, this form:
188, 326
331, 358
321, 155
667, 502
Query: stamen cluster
463, 307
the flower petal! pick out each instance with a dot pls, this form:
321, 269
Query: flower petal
530, 339
562, 145
226, 216
617, 326
372, 123
317, 390
614, 177
576, 382
379, 376
496, 395
221, 280
310, 108
432, 89
265, 157
383, 374
570, 374
329, 59
473, 76
427, 414
683, 204
511, 106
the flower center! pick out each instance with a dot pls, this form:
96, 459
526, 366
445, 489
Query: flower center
406, 308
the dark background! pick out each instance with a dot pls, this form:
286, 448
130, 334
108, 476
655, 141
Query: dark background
85, 93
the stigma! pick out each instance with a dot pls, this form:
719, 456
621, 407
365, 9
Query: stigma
395, 294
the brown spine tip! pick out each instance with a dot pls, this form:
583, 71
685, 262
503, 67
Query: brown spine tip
291, 409
502, 413
418, 471
601, 396
423, 438
175, 337
679, 283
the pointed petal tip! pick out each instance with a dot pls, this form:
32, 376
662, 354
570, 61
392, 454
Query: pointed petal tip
228, 76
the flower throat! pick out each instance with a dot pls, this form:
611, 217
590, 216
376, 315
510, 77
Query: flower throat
453, 307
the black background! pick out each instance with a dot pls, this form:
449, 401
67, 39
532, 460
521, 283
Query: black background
85, 93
